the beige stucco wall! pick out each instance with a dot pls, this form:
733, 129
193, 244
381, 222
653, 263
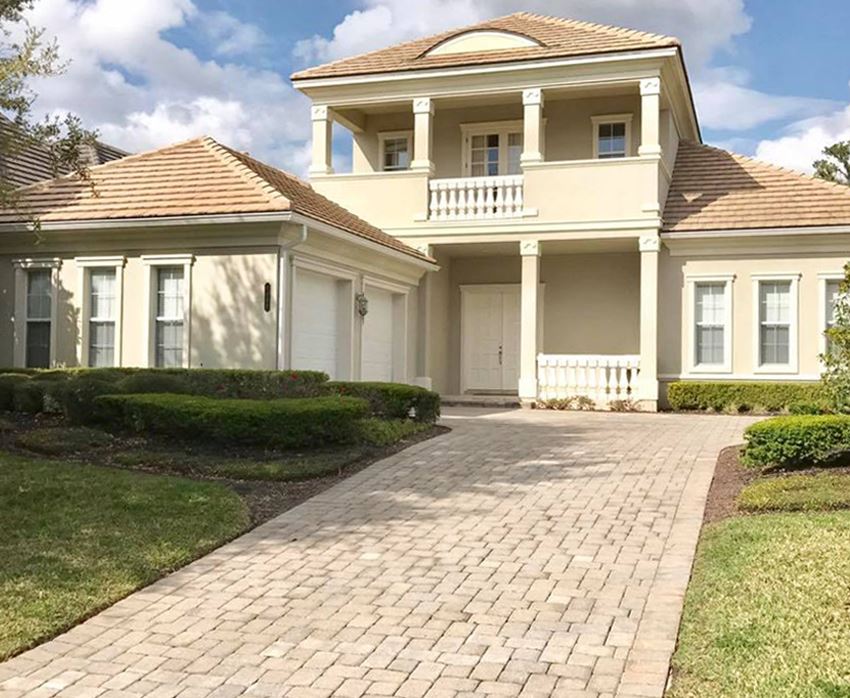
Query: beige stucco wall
591, 305
676, 316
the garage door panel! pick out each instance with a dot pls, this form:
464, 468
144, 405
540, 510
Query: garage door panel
377, 363
316, 336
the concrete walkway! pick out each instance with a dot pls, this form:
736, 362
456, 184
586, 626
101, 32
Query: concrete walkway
525, 553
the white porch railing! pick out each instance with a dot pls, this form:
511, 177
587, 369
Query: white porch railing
602, 378
470, 198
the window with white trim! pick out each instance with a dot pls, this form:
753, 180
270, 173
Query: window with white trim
492, 149
39, 313
395, 151
169, 319
102, 313
612, 136
832, 289
710, 330
775, 322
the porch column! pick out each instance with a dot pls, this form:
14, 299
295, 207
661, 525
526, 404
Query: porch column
423, 326
532, 143
322, 140
423, 134
650, 117
650, 246
529, 293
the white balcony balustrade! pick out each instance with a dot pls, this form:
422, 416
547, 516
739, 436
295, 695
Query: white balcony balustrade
602, 378
474, 198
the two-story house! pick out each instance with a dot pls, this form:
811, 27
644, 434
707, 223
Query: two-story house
543, 220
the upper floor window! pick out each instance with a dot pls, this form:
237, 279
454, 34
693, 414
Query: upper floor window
395, 151
39, 313
492, 149
612, 136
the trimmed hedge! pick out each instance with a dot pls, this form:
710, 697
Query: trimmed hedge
290, 423
801, 441
393, 400
8, 382
719, 396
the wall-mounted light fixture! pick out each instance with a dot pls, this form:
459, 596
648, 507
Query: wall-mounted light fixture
361, 303
267, 297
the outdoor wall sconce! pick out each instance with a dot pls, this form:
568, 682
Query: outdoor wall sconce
361, 303
267, 297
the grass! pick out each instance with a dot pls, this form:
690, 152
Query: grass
766, 614
76, 538
820, 492
55, 441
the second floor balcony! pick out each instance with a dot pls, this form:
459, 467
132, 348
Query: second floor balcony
531, 157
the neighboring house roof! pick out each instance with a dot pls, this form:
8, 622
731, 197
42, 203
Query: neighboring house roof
713, 189
192, 178
557, 38
32, 163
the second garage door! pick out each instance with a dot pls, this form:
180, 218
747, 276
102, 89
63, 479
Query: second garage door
377, 363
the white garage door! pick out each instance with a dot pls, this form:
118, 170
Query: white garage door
315, 336
377, 362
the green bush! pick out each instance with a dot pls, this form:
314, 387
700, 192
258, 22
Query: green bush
393, 400
8, 381
28, 396
801, 441
386, 432
76, 395
152, 382
265, 423
741, 397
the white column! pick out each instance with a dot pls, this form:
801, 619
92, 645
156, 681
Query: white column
529, 295
423, 134
650, 117
532, 144
322, 140
424, 336
650, 246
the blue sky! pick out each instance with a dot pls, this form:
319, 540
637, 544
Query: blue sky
771, 77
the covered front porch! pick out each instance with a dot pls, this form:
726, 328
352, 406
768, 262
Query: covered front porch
543, 320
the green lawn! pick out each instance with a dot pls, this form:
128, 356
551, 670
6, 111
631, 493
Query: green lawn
76, 538
767, 613
820, 492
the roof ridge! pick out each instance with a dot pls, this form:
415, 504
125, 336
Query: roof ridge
229, 158
112, 163
610, 28
763, 164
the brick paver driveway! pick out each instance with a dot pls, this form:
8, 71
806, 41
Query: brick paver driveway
525, 553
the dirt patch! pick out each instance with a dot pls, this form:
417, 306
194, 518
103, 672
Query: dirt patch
730, 477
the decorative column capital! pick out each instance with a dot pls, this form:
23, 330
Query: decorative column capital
532, 97
423, 248
650, 86
319, 112
423, 105
649, 243
529, 248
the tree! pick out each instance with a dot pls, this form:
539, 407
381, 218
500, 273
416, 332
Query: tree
836, 360
835, 166
24, 55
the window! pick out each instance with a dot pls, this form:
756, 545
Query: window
395, 151
775, 316
711, 322
612, 136
168, 340
492, 149
102, 313
39, 310
832, 289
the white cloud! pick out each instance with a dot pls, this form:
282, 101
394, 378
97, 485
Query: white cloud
803, 142
726, 103
704, 26
140, 90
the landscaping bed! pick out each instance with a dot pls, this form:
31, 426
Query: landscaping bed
766, 613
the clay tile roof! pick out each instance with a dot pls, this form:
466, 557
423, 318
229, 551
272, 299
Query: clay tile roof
31, 163
195, 177
713, 189
557, 38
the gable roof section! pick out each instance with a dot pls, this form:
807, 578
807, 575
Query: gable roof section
192, 178
713, 189
557, 38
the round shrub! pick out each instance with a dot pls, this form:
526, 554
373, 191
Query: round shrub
28, 396
76, 396
799, 441
393, 400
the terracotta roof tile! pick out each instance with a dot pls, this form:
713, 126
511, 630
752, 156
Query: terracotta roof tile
713, 189
196, 177
558, 38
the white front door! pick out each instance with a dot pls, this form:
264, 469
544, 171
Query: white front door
490, 338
